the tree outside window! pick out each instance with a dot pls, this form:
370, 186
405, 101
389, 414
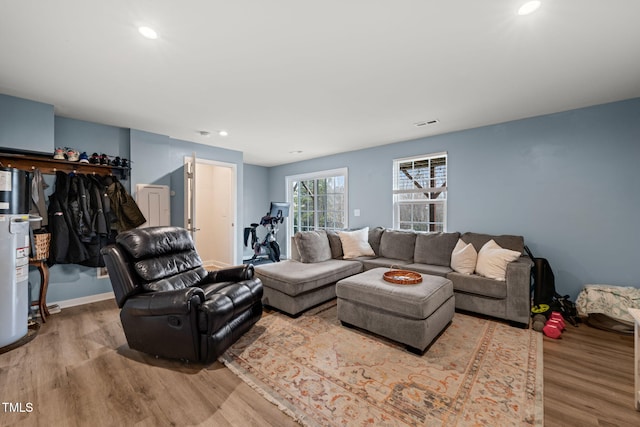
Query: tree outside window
318, 201
420, 193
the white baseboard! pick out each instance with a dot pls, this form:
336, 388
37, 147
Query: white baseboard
84, 300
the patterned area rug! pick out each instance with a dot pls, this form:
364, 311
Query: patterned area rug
478, 372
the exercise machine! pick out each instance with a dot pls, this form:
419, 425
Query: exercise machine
268, 248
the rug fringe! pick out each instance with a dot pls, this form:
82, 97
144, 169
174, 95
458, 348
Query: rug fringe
539, 407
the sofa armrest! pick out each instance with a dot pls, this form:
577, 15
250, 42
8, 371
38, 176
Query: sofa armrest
175, 302
519, 290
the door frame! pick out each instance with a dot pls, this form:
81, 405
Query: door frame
234, 198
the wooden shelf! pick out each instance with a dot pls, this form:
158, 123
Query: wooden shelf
48, 165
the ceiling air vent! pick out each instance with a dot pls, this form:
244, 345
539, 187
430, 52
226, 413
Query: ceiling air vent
426, 123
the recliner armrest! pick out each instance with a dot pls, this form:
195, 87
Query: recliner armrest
231, 274
179, 301
228, 302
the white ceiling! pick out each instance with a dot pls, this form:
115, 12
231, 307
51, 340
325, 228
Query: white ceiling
317, 76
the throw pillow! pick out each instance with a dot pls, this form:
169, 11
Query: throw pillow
435, 248
356, 243
313, 246
463, 258
493, 260
335, 244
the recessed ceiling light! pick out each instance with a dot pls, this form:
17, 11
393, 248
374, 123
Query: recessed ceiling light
223, 133
147, 32
529, 7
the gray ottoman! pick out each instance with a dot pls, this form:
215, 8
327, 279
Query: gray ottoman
411, 314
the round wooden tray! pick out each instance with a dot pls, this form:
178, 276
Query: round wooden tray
402, 277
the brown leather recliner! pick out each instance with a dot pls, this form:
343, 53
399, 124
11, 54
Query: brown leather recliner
170, 305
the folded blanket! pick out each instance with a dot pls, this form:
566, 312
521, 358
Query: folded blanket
612, 301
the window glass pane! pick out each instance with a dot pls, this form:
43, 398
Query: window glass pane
405, 213
420, 193
322, 203
420, 212
319, 203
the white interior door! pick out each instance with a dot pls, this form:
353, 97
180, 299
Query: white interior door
153, 201
212, 214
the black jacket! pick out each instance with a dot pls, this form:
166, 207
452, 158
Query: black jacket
66, 247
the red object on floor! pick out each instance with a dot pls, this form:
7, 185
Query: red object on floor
557, 316
552, 330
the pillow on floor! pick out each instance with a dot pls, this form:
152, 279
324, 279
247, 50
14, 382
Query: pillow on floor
356, 243
493, 260
463, 258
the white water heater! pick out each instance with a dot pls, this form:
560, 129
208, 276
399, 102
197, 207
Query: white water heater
15, 196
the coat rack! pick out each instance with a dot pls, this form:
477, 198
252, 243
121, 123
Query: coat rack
47, 165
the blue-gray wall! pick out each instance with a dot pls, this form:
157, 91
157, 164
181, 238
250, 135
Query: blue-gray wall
256, 201
567, 182
156, 159
92, 137
26, 125
71, 281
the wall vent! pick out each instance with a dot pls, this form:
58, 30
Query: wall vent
426, 123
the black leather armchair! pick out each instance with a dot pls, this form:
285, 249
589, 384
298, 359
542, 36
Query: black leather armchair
170, 305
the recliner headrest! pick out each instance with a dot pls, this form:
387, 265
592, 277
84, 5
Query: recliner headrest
154, 241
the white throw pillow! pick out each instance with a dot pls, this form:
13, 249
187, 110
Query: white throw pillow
463, 258
493, 260
356, 243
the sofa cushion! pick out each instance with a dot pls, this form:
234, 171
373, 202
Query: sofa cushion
313, 246
464, 257
356, 243
478, 285
492, 260
396, 244
370, 263
295, 278
506, 241
433, 270
435, 248
375, 234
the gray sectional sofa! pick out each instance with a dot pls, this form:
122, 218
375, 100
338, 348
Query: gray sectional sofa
317, 263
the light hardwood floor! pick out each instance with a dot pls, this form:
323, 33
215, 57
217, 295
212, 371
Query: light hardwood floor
79, 371
588, 379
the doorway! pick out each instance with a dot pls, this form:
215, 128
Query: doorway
153, 201
210, 209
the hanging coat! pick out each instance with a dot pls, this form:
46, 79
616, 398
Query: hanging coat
79, 208
125, 208
99, 225
38, 204
66, 247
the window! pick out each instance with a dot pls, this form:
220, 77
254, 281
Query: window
420, 193
318, 201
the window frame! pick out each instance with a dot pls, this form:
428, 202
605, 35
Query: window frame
330, 173
431, 227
